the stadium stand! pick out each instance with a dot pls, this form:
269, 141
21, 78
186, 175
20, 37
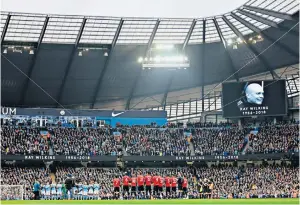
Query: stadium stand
105, 110
22, 141
152, 141
268, 181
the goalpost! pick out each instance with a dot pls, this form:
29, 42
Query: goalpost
12, 192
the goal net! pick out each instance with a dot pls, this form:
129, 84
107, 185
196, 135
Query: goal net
12, 192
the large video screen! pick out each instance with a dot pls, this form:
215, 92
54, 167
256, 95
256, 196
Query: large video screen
255, 98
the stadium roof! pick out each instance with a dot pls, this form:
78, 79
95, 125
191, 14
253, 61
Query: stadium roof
128, 8
107, 68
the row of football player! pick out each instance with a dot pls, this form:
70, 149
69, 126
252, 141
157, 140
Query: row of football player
156, 181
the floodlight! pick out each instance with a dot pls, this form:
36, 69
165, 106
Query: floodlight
184, 68
166, 65
181, 58
80, 53
167, 58
140, 59
250, 39
169, 46
229, 42
254, 41
31, 52
157, 59
158, 46
105, 54
239, 40
259, 36
164, 46
234, 46
5, 50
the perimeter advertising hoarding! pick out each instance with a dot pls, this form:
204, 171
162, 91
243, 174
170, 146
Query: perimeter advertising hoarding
255, 98
87, 113
111, 117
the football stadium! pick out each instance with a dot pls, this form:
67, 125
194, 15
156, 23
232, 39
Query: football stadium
111, 109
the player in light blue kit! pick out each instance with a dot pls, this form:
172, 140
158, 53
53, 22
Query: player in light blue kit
48, 191
85, 191
96, 191
75, 192
53, 192
80, 191
59, 191
43, 192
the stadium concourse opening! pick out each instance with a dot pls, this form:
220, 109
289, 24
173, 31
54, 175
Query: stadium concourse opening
150, 110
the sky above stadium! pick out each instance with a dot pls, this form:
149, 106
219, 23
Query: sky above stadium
125, 8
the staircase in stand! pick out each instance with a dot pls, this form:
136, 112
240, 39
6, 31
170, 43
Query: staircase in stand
248, 139
191, 147
52, 176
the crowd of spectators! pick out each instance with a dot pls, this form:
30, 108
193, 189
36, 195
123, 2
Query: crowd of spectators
219, 141
22, 140
84, 141
139, 140
21, 176
275, 139
222, 181
159, 142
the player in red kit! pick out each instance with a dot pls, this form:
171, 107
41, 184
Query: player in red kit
126, 181
117, 183
155, 180
133, 183
168, 181
174, 183
148, 181
140, 181
184, 185
160, 183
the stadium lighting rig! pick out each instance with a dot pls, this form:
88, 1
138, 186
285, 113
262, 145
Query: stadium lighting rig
165, 62
255, 39
18, 49
237, 41
82, 50
164, 56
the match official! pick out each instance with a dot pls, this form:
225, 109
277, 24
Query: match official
180, 182
69, 184
36, 189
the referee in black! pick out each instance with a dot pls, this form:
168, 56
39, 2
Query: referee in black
179, 183
69, 184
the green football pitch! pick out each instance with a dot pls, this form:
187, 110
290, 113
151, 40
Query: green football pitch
144, 202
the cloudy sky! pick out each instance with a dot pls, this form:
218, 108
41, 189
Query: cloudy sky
125, 8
